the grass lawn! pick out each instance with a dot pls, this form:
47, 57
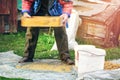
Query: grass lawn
46, 40
16, 43
3, 78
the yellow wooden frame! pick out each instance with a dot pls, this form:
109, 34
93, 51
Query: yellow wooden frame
41, 21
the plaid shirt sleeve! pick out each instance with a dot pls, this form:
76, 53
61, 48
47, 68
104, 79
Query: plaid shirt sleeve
26, 4
67, 6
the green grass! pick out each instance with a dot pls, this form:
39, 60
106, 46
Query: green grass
113, 53
16, 43
4, 78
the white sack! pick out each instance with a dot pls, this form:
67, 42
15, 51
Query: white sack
73, 24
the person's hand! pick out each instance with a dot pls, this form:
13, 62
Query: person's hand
26, 15
64, 19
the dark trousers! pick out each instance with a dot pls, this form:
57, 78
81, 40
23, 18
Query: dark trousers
60, 37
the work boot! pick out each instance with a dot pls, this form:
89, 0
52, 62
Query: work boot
25, 59
65, 57
69, 61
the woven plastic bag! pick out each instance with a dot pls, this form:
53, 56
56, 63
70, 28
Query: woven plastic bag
71, 30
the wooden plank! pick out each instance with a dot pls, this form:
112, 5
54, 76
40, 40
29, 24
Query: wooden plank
42, 21
1, 24
4, 9
13, 15
8, 16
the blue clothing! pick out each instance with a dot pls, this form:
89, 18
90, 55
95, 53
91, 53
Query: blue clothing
54, 7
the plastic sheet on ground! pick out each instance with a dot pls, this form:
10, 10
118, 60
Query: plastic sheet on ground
103, 75
9, 60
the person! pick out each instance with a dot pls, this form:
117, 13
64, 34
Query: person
60, 8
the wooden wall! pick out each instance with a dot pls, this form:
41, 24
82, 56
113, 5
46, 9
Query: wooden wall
8, 16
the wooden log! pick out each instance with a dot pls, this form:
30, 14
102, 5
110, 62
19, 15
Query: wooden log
42, 21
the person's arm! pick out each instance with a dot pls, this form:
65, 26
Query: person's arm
67, 8
26, 5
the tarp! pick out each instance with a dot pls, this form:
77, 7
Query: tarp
10, 68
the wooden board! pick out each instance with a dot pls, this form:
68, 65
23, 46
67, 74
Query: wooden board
8, 16
5, 7
42, 21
